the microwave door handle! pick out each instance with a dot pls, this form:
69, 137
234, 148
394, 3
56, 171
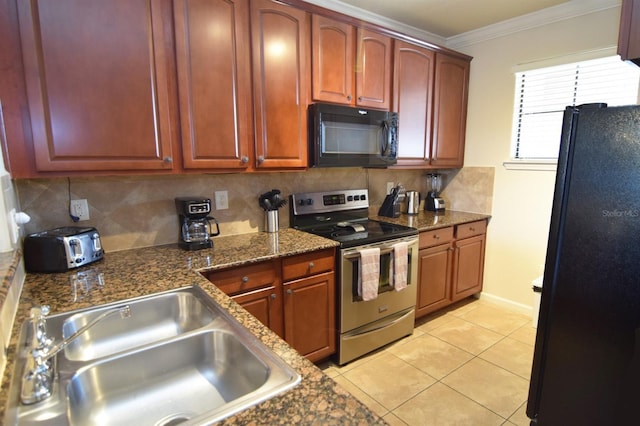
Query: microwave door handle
385, 139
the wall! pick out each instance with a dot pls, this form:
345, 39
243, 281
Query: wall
139, 211
517, 236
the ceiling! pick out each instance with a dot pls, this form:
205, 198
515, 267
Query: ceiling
448, 18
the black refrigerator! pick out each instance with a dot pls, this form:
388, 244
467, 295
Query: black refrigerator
586, 367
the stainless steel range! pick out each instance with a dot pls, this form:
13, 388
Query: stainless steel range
369, 321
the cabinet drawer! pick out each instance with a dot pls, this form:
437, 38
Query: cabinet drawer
307, 264
245, 278
436, 237
470, 229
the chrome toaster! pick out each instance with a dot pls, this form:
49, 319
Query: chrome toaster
61, 249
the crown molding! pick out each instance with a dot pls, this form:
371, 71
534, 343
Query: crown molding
561, 12
356, 12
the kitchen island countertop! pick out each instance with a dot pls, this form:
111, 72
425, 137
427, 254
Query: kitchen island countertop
132, 273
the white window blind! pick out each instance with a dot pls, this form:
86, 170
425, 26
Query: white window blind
542, 95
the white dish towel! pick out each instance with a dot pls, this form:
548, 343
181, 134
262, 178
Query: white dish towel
399, 266
369, 273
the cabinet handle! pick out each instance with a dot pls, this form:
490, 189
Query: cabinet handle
311, 265
261, 159
273, 296
244, 159
289, 291
245, 279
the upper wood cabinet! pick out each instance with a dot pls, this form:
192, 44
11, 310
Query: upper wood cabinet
450, 97
281, 79
350, 66
413, 100
430, 95
98, 79
629, 36
214, 83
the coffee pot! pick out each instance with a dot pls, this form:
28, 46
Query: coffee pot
195, 223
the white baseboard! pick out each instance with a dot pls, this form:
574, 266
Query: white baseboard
519, 307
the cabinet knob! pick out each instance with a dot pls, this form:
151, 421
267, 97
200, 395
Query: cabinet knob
436, 236
261, 159
472, 229
349, 97
245, 279
360, 98
273, 296
167, 160
311, 265
244, 159
289, 291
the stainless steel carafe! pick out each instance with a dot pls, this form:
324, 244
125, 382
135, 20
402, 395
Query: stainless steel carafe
412, 202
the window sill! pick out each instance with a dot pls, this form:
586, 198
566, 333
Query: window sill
543, 165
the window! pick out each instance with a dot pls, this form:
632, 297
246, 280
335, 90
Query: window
542, 95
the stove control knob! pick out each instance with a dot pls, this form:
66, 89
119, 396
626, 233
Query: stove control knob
309, 201
363, 197
350, 198
301, 202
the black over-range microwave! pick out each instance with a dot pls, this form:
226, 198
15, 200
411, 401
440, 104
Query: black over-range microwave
342, 136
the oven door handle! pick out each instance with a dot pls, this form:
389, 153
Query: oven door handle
386, 249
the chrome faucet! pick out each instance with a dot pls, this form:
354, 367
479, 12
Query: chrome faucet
37, 381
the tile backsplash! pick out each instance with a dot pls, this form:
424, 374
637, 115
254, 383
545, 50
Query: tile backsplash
139, 211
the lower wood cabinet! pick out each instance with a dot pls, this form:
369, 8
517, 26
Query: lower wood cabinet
294, 296
309, 315
451, 265
434, 270
468, 263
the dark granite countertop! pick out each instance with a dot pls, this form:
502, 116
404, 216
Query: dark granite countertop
426, 221
132, 273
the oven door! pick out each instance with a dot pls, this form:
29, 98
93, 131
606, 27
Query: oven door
354, 312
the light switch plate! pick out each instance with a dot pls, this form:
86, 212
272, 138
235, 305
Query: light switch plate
222, 200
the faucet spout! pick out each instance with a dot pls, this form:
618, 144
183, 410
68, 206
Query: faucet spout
38, 377
124, 311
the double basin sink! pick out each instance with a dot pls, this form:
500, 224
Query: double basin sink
178, 359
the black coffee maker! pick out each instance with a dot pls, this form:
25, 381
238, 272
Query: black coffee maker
195, 223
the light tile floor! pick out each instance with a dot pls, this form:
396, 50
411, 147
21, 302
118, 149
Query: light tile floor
466, 365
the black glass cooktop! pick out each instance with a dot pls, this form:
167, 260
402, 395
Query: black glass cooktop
359, 232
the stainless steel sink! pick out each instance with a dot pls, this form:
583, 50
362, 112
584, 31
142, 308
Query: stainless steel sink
197, 366
152, 319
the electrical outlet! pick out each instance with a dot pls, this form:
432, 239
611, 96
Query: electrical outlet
390, 186
222, 200
80, 209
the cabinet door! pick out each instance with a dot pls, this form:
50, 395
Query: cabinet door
449, 111
309, 315
629, 35
98, 77
280, 53
434, 279
214, 81
373, 70
468, 267
266, 305
332, 65
413, 100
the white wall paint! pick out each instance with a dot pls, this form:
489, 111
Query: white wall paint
518, 231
